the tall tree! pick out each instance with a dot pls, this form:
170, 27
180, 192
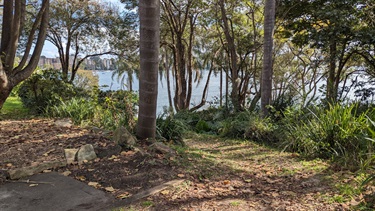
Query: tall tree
76, 28
266, 84
149, 14
331, 26
13, 25
181, 22
238, 28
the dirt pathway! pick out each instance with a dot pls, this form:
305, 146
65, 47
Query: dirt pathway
230, 175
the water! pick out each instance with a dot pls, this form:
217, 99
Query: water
107, 83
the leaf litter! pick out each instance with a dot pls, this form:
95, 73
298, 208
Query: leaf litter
219, 174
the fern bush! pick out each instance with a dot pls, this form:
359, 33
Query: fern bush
170, 128
338, 133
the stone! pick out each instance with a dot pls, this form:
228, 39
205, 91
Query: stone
64, 122
86, 152
162, 148
31, 170
124, 138
70, 155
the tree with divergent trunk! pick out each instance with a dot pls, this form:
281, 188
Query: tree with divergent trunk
149, 14
77, 29
13, 26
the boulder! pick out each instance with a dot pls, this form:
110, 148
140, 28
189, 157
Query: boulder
124, 138
86, 152
70, 155
162, 148
64, 123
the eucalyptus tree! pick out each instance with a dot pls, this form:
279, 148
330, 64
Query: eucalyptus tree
149, 14
239, 32
76, 29
13, 26
298, 74
179, 34
331, 26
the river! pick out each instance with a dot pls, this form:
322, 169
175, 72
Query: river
106, 82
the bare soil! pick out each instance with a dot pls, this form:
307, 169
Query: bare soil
219, 174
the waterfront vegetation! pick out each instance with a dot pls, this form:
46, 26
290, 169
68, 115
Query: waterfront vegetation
341, 134
315, 107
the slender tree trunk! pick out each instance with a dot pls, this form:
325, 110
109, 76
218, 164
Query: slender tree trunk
149, 13
267, 72
331, 89
221, 87
233, 58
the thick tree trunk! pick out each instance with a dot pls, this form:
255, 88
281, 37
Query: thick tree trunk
5, 87
149, 13
12, 26
267, 72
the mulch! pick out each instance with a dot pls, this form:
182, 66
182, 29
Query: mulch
124, 174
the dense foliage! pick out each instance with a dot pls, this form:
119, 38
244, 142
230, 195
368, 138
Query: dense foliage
46, 88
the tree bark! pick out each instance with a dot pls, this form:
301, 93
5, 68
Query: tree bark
149, 13
12, 26
267, 72
331, 94
233, 58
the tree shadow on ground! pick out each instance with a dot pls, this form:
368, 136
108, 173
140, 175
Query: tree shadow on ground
244, 176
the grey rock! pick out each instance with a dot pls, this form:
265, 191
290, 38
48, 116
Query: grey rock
124, 138
64, 123
70, 155
162, 148
86, 152
31, 170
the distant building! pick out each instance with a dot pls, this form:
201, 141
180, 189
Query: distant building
92, 63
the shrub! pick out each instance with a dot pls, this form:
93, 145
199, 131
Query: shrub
337, 133
120, 107
46, 88
250, 126
170, 128
79, 110
204, 121
109, 111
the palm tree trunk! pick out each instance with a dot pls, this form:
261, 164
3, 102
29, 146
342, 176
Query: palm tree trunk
149, 13
266, 85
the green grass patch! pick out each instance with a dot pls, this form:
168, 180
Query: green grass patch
13, 109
